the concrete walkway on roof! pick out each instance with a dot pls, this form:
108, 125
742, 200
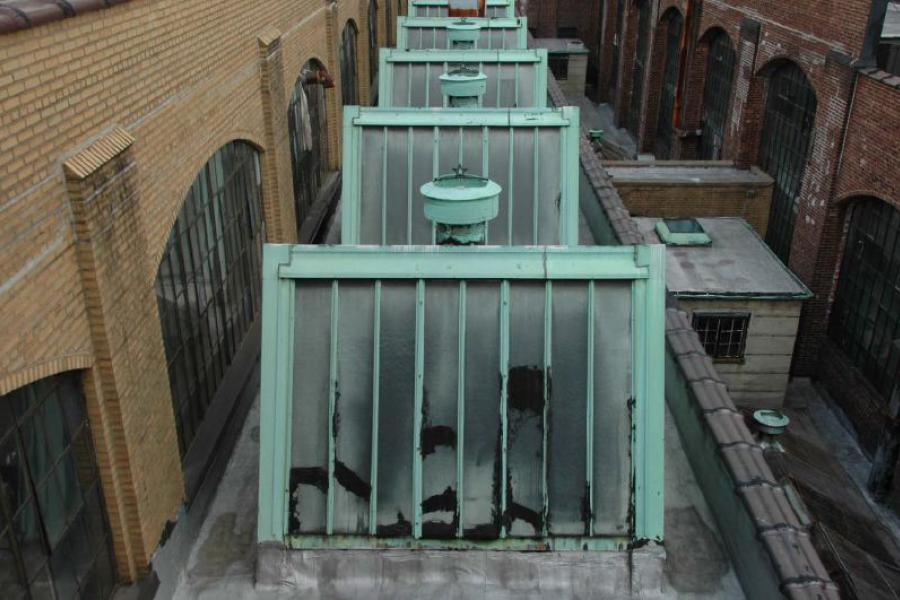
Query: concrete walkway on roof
222, 561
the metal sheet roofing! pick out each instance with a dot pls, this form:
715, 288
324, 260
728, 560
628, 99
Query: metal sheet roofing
426, 33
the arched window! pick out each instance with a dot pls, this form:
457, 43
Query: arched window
787, 130
308, 137
716, 94
373, 40
640, 66
349, 80
665, 130
208, 284
57, 543
865, 321
617, 48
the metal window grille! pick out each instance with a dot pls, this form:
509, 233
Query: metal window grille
309, 148
865, 321
724, 336
349, 74
411, 78
422, 412
716, 95
640, 67
373, 40
54, 537
665, 131
787, 130
208, 283
559, 65
389, 154
428, 33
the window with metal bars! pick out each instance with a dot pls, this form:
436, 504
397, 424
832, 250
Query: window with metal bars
723, 335
208, 283
54, 537
373, 40
865, 321
640, 67
716, 95
308, 137
349, 79
787, 131
665, 130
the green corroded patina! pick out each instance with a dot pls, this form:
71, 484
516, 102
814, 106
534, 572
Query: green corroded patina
434, 33
440, 8
682, 232
459, 204
463, 86
290, 269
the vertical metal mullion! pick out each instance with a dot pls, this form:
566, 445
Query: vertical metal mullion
548, 362
504, 400
409, 71
435, 170
376, 401
445, 100
510, 186
589, 425
417, 410
461, 408
427, 84
409, 185
485, 171
384, 167
537, 196
499, 80
332, 397
517, 84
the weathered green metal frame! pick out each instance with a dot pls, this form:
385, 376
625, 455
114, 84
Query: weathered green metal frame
284, 266
520, 24
356, 117
390, 56
496, 8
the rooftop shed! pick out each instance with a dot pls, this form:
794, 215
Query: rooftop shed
440, 8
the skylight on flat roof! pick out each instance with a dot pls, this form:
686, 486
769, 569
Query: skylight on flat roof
682, 232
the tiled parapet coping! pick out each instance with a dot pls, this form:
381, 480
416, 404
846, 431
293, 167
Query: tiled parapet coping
765, 535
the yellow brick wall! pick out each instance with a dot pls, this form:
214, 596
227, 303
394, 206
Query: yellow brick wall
181, 78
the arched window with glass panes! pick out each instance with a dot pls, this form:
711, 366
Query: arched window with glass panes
865, 320
716, 94
208, 283
787, 131
665, 125
349, 79
308, 137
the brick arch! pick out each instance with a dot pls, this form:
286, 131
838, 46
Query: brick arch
713, 30
657, 61
44, 369
778, 61
695, 91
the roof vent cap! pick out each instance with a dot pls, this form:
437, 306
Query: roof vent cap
682, 232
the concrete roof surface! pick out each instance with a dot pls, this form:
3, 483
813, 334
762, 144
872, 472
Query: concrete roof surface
659, 172
561, 45
737, 264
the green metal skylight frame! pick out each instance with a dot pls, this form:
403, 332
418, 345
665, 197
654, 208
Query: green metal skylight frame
428, 33
682, 232
537, 205
508, 64
440, 8
288, 270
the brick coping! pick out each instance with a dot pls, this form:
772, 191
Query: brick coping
16, 15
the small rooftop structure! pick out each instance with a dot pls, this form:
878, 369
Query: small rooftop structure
741, 299
440, 8
412, 78
568, 61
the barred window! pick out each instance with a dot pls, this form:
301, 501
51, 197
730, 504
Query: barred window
665, 126
54, 537
723, 335
208, 283
308, 137
349, 81
717, 95
865, 321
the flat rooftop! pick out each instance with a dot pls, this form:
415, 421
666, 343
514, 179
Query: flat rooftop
561, 45
737, 264
653, 172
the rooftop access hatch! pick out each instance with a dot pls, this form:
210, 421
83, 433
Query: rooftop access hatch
446, 397
515, 78
390, 154
425, 33
440, 8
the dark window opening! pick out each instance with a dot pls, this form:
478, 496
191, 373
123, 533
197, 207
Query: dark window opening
616, 48
308, 137
724, 336
208, 284
716, 95
559, 66
349, 79
373, 40
640, 68
865, 321
567, 32
54, 537
787, 131
665, 130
